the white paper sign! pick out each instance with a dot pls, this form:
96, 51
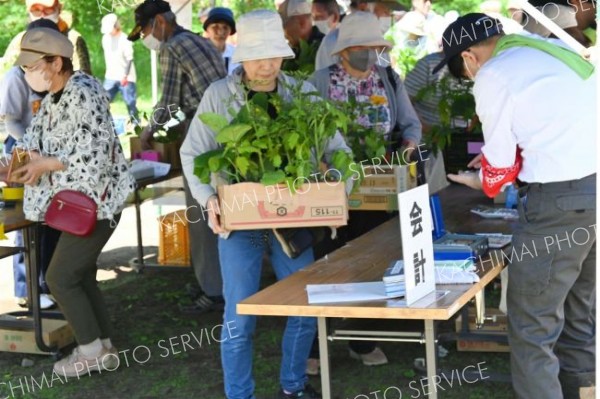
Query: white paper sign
417, 244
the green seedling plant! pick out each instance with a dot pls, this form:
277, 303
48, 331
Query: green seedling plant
289, 148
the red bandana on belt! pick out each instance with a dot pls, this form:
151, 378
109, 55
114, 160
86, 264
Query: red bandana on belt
493, 179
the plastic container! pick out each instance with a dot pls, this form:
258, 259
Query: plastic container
12, 193
174, 242
511, 197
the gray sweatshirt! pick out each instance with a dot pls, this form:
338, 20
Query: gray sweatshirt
218, 98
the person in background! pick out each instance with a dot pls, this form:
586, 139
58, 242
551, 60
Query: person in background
261, 50
18, 105
218, 27
50, 9
409, 34
325, 15
73, 147
515, 11
434, 23
551, 295
203, 15
382, 9
358, 76
120, 71
303, 36
575, 17
189, 64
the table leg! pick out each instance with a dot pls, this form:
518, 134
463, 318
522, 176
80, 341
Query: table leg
138, 224
31, 236
480, 308
431, 357
324, 358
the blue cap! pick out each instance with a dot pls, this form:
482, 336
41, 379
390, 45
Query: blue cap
220, 14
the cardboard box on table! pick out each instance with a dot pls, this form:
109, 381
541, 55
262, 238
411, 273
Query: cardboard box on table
56, 333
167, 152
379, 189
252, 206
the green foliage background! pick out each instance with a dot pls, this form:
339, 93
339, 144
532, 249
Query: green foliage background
87, 15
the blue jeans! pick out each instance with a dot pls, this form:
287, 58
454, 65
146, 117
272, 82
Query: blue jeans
128, 92
241, 257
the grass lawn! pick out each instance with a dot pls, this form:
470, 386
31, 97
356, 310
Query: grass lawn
151, 329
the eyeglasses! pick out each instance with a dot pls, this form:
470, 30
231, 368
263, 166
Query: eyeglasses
142, 34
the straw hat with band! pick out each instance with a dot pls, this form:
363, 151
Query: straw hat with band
360, 29
38, 43
260, 36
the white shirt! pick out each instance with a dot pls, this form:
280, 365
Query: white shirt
118, 51
527, 98
227, 54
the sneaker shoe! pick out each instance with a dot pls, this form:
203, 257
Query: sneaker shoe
45, 302
193, 290
204, 304
375, 358
312, 366
307, 393
77, 365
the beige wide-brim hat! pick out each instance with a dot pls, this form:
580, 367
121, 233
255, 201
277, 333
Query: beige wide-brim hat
413, 22
360, 29
260, 36
41, 42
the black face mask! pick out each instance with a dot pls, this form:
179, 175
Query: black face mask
362, 60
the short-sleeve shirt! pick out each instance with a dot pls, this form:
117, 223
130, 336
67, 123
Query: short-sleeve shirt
371, 91
118, 52
17, 100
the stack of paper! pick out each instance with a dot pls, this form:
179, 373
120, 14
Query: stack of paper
465, 264
393, 279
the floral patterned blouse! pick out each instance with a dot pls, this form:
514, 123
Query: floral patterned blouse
343, 87
76, 127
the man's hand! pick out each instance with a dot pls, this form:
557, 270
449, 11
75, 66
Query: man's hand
468, 179
146, 138
124, 81
212, 207
410, 146
475, 162
36, 167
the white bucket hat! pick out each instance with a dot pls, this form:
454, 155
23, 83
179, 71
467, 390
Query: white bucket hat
413, 22
360, 29
109, 21
260, 36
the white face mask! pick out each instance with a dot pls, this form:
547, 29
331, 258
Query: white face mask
152, 42
471, 74
36, 80
323, 26
385, 23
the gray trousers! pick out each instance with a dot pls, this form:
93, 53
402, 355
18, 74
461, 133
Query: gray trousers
203, 247
552, 290
71, 277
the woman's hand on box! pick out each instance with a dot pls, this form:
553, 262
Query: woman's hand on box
36, 167
214, 212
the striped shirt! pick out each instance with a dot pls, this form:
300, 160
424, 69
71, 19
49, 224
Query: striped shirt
189, 64
421, 77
